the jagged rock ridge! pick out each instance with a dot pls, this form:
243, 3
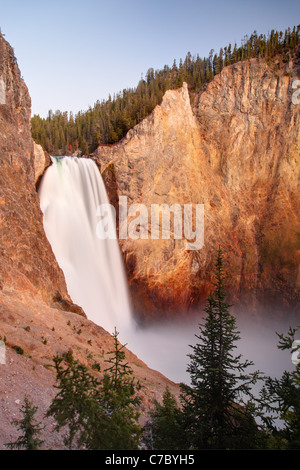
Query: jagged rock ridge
36, 312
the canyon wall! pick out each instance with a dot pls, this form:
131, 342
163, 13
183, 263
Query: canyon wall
235, 149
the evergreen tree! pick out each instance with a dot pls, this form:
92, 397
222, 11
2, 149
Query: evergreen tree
119, 428
163, 430
101, 414
281, 398
215, 414
77, 403
30, 430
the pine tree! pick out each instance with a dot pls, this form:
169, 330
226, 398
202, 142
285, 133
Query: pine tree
163, 430
30, 430
100, 413
77, 404
111, 119
215, 414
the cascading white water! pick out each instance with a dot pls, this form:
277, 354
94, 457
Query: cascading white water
70, 193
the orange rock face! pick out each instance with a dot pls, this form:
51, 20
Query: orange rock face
27, 263
236, 150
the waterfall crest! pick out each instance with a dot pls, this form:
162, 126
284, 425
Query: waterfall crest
70, 192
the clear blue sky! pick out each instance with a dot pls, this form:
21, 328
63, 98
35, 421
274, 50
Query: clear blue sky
72, 53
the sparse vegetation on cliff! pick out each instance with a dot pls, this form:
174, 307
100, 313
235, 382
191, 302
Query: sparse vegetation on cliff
108, 121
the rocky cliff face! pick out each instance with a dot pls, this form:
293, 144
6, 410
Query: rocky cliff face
236, 150
27, 263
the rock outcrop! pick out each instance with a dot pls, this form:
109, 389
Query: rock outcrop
27, 263
236, 150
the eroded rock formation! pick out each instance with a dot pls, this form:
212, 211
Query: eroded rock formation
36, 313
236, 150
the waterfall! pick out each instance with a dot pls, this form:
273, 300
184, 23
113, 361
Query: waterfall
70, 193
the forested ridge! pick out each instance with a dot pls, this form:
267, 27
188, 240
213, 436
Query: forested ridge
108, 121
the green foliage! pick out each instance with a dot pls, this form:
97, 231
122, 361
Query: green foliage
214, 413
163, 430
30, 430
99, 413
281, 398
68, 356
108, 121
